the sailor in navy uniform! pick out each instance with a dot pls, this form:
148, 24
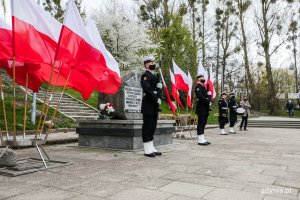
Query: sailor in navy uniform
223, 113
202, 109
150, 107
232, 112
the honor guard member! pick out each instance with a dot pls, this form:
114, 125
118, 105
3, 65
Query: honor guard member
223, 113
232, 112
150, 106
202, 109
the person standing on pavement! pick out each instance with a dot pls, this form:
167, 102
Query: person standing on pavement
290, 108
246, 105
223, 113
150, 107
202, 109
232, 112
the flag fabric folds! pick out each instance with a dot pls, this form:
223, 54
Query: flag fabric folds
110, 80
210, 83
202, 71
78, 51
175, 93
35, 33
189, 94
171, 105
181, 78
5, 42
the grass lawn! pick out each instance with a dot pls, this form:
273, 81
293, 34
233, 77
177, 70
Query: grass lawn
60, 122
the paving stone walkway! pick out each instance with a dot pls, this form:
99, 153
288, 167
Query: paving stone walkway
258, 164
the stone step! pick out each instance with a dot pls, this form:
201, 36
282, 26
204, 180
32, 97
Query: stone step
77, 110
71, 114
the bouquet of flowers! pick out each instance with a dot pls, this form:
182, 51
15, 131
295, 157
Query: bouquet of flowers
105, 111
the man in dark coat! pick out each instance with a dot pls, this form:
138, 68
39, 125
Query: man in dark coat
232, 111
150, 107
223, 113
290, 108
202, 109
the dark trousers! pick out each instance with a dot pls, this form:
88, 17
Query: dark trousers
222, 125
231, 124
149, 127
202, 121
244, 120
291, 113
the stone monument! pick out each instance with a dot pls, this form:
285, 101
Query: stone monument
128, 100
124, 128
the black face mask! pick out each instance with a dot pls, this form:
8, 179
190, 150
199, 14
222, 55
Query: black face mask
152, 67
202, 80
245, 99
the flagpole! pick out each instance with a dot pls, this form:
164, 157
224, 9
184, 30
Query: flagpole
4, 111
45, 99
57, 106
14, 99
25, 106
50, 100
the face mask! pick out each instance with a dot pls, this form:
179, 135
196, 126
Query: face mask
202, 80
152, 67
245, 99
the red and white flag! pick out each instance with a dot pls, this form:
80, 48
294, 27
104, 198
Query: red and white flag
171, 105
35, 33
110, 80
77, 50
202, 71
181, 78
210, 83
5, 42
189, 94
175, 93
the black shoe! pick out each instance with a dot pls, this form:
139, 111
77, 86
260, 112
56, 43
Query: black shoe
245, 129
150, 155
203, 144
232, 132
208, 143
157, 153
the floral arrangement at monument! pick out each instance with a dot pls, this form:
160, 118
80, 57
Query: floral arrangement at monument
106, 110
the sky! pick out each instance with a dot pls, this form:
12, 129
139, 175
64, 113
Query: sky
282, 59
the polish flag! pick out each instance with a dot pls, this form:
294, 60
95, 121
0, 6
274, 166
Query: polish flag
5, 42
22, 69
181, 78
175, 93
189, 94
202, 71
35, 33
210, 83
171, 105
77, 50
110, 80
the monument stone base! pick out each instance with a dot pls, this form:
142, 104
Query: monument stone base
121, 134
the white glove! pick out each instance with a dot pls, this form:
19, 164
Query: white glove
155, 92
209, 93
159, 85
159, 101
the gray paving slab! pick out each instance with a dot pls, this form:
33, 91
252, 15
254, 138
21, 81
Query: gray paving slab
187, 189
237, 166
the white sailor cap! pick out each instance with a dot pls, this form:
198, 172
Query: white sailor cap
149, 59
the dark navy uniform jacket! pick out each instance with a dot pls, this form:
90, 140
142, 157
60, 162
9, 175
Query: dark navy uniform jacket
202, 107
149, 102
223, 113
232, 108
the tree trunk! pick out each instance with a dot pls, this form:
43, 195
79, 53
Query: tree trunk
266, 46
203, 36
245, 45
218, 63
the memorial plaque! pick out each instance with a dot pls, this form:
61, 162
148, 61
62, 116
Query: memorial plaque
128, 100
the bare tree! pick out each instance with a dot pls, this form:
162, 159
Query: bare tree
269, 24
